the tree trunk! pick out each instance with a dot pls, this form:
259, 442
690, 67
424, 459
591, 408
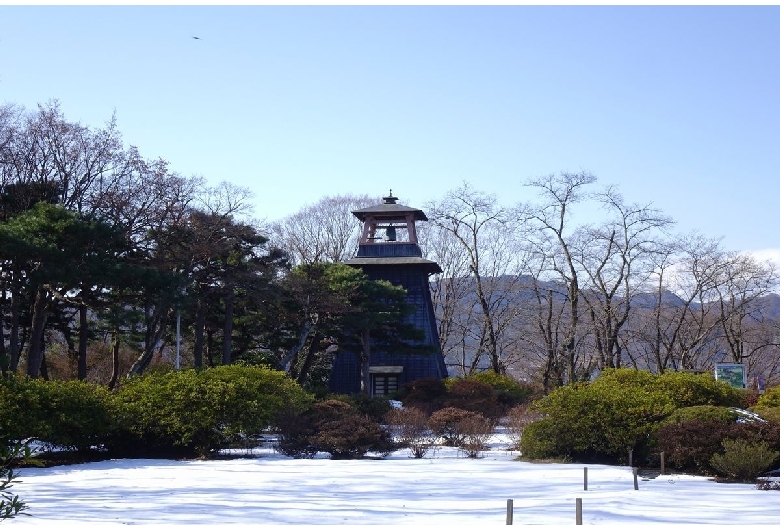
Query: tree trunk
35, 351
4, 359
114, 359
495, 362
210, 346
308, 360
287, 362
365, 362
227, 343
44, 368
200, 326
13, 337
156, 323
83, 337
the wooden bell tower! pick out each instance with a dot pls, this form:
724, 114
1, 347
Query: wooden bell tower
388, 250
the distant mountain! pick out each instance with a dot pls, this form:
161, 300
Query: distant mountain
772, 302
524, 284
649, 300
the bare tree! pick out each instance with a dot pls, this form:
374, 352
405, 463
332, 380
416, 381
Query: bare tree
558, 194
681, 332
615, 260
742, 291
647, 347
225, 200
543, 322
324, 231
484, 233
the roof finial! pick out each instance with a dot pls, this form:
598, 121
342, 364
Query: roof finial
390, 199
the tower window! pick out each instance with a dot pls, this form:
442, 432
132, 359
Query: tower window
383, 384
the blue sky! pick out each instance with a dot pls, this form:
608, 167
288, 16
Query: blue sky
678, 106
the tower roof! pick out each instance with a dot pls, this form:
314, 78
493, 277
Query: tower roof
389, 209
430, 267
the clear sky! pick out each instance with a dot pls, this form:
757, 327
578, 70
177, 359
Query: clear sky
678, 106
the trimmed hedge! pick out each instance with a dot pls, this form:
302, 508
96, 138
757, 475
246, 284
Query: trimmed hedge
708, 413
768, 404
192, 412
600, 421
73, 415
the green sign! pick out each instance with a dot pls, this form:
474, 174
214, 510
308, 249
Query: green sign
733, 374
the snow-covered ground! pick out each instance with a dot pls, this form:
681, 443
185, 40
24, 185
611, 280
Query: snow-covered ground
443, 488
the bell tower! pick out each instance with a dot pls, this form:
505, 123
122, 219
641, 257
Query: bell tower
389, 250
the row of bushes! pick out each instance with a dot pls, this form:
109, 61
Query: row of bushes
176, 413
191, 413
487, 393
194, 413
692, 418
341, 429
415, 430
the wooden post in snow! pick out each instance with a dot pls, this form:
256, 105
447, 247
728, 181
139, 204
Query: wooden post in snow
578, 513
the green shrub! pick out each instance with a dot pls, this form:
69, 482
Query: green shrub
770, 398
688, 389
705, 413
63, 414
255, 397
600, 421
169, 413
743, 461
768, 413
541, 441
508, 391
78, 414
21, 414
195, 413
768, 404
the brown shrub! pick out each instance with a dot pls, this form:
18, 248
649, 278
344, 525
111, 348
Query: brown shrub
426, 394
409, 427
692, 444
333, 427
517, 419
474, 396
351, 436
446, 423
476, 431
